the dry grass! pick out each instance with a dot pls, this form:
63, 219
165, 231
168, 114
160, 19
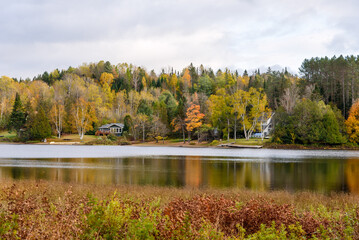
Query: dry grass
52, 210
72, 138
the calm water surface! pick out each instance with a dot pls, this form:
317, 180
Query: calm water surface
261, 169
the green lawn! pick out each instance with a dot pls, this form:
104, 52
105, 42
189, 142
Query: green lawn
64, 138
243, 141
6, 134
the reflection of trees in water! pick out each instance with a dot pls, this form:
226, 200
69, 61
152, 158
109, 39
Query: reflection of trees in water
321, 175
238, 174
352, 175
193, 171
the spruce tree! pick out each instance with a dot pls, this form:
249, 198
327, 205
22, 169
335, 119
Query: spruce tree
40, 127
18, 115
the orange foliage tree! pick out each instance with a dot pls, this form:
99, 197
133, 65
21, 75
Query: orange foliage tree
193, 119
352, 123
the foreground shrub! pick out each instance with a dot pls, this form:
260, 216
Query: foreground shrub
62, 212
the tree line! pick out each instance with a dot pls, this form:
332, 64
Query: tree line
196, 102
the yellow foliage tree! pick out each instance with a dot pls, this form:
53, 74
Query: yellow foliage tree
186, 80
220, 108
173, 84
106, 78
7, 92
256, 101
352, 123
106, 81
84, 115
144, 84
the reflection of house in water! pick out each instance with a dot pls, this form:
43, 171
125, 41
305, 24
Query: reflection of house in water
253, 175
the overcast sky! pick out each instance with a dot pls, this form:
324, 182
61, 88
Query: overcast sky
41, 35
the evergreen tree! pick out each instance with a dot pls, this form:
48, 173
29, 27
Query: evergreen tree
108, 67
18, 116
40, 127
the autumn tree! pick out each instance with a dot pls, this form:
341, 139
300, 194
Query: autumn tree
84, 115
186, 78
250, 107
352, 123
58, 107
240, 102
220, 108
259, 109
173, 84
7, 92
194, 119
106, 81
133, 101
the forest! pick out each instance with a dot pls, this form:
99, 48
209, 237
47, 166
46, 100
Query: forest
317, 107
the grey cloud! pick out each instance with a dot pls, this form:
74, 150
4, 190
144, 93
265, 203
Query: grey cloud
42, 35
348, 37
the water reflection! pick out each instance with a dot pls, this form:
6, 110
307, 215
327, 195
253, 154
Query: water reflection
320, 175
352, 175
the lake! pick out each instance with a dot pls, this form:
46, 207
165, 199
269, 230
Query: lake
259, 169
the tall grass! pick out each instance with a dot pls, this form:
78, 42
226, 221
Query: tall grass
50, 210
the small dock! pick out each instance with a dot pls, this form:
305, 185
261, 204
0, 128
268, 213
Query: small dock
64, 143
232, 145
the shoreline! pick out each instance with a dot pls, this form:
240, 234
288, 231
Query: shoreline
200, 145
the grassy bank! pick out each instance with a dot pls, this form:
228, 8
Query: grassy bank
6, 137
348, 146
45, 210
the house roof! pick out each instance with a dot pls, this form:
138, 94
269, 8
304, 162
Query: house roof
120, 125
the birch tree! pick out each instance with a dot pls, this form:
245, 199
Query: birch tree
84, 116
258, 102
58, 107
7, 92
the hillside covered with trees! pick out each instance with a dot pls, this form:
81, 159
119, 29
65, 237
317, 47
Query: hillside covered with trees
196, 102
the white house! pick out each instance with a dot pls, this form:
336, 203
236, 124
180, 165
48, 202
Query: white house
266, 124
